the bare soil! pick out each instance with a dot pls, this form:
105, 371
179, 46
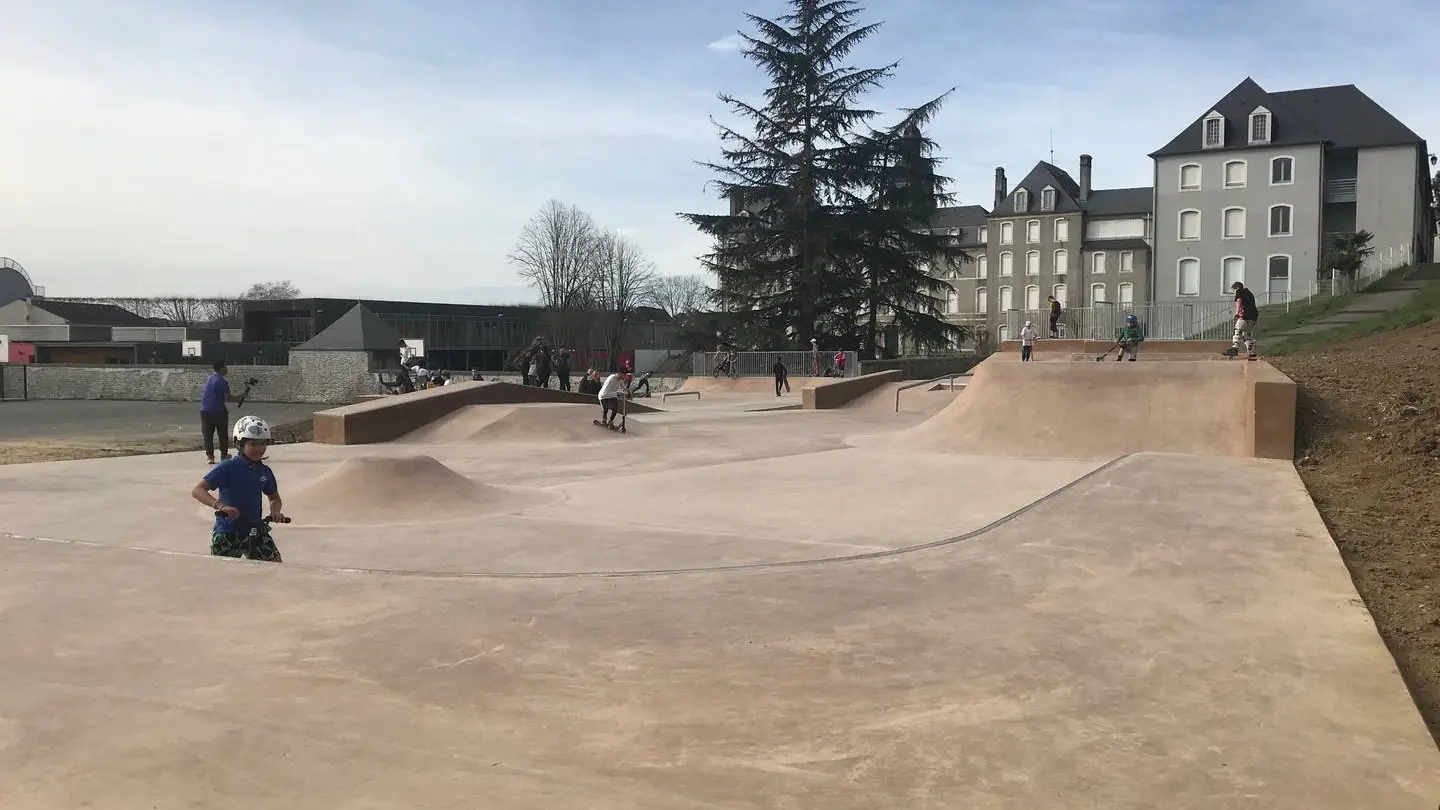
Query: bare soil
1369, 452
26, 451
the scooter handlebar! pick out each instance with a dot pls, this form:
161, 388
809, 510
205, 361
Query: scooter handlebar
266, 519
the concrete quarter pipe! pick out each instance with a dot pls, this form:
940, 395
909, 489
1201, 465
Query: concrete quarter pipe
1092, 410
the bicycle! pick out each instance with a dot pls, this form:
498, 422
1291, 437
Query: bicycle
258, 537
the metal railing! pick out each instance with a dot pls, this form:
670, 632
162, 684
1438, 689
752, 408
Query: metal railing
1341, 189
761, 364
950, 377
147, 334
1200, 320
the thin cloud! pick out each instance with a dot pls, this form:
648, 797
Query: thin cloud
727, 44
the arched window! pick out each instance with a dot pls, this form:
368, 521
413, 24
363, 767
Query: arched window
1006, 304
1062, 262
1032, 296
1097, 293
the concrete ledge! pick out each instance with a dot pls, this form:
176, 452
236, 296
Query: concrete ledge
1269, 411
837, 392
390, 417
1050, 349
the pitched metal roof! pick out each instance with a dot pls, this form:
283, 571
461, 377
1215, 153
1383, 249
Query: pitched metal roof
1109, 202
1341, 116
358, 330
1067, 192
968, 219
77, 313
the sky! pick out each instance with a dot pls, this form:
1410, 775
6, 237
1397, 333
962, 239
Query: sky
395, 148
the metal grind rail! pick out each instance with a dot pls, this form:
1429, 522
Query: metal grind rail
950, 377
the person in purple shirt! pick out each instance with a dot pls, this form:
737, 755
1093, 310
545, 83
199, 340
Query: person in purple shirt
214, 416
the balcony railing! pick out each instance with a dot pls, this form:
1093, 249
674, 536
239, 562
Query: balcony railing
1340, 190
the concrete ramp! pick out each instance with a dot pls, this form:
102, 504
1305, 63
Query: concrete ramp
738, 385
919, 399
1094, 410
523, 423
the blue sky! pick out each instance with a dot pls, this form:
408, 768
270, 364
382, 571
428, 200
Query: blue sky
396, 147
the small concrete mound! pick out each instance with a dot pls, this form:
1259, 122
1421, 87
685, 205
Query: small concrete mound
370, 490
545, 423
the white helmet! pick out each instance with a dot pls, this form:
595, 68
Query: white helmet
1028, 323
251, 427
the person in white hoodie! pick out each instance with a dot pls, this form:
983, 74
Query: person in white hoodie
1028, 335
609, 395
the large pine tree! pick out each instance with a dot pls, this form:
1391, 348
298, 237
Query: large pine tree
828, 232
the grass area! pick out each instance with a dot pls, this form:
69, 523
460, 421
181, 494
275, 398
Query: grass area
1422, 308
1275, 319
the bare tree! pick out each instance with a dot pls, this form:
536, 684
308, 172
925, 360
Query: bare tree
272, 290
557, 254
624, 280
678, 295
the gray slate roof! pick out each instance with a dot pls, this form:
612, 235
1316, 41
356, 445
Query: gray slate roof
969, 219
1103, 202
356, 331
1341, 116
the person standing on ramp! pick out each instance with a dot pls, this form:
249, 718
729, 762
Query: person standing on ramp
214, 416
782, 376
1028, 335
1246, 314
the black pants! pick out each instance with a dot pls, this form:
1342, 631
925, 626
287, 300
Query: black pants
1025, 352
609, 407
1054, 326
781, 380
564, 381
211, 423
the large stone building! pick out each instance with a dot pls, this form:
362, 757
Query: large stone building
1256, 188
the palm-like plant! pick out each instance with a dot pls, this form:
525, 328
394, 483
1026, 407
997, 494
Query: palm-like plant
1347, 252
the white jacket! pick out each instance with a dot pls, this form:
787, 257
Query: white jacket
1028, 335
612, 387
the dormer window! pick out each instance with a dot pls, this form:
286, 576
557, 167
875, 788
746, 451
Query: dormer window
1214, 129
1022, 200
1047, 199
1260, 125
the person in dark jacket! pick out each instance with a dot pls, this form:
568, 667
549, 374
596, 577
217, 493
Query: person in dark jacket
1246, 314
782, 376
544, 366
562, 369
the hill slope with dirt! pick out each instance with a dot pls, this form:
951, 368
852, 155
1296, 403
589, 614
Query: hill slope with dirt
1369, 452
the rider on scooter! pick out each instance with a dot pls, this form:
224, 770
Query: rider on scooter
241, 481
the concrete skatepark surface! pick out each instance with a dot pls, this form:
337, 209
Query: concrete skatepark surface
42, 419
741, 610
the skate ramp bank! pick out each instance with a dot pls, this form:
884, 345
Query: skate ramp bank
918, 399
837, 392
1100, 410
1067, 350
568, 424
735, 385
369, 491
391, 417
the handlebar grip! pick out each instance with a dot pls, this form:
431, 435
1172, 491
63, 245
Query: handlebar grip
273, 520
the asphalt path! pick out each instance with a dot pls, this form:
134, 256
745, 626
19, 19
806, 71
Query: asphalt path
74, 418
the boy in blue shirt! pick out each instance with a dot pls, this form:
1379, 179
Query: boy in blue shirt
240, 482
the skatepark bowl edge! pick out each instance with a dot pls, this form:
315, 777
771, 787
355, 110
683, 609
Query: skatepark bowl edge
1059, 585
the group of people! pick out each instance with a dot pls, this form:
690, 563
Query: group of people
1131, 335
540, 362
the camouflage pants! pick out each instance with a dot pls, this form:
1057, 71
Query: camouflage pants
232, 544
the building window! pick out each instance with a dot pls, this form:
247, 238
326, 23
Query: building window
1032, 297
1007, 233
1127, 261
1127, 292
1097, 263
1282, 171
1047, 199
1022, 201
952, 301
1190, 224
1062, 230
1005, 302
984, 235
1003, 332
982, 267
1059, 292
1007, 263
1260, 126
1277, 285
1233, 226
1097, 293
1032, 231
1232, 270
1032, 263
982, 301
1235, 172
1214, 130
1280, 220
1190, 177
1187, 281
1062, 262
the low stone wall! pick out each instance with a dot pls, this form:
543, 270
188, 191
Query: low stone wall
1269, 412
923, 368
388, 418
839, 392
310, 377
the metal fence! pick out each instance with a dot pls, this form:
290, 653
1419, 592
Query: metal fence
1199, 320
761, 364
14, 381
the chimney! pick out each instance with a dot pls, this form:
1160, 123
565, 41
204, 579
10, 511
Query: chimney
1085, 177
1002, 189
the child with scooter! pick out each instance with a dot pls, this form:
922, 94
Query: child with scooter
241, 480
1130, 338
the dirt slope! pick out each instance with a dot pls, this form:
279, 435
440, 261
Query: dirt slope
1370, 454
